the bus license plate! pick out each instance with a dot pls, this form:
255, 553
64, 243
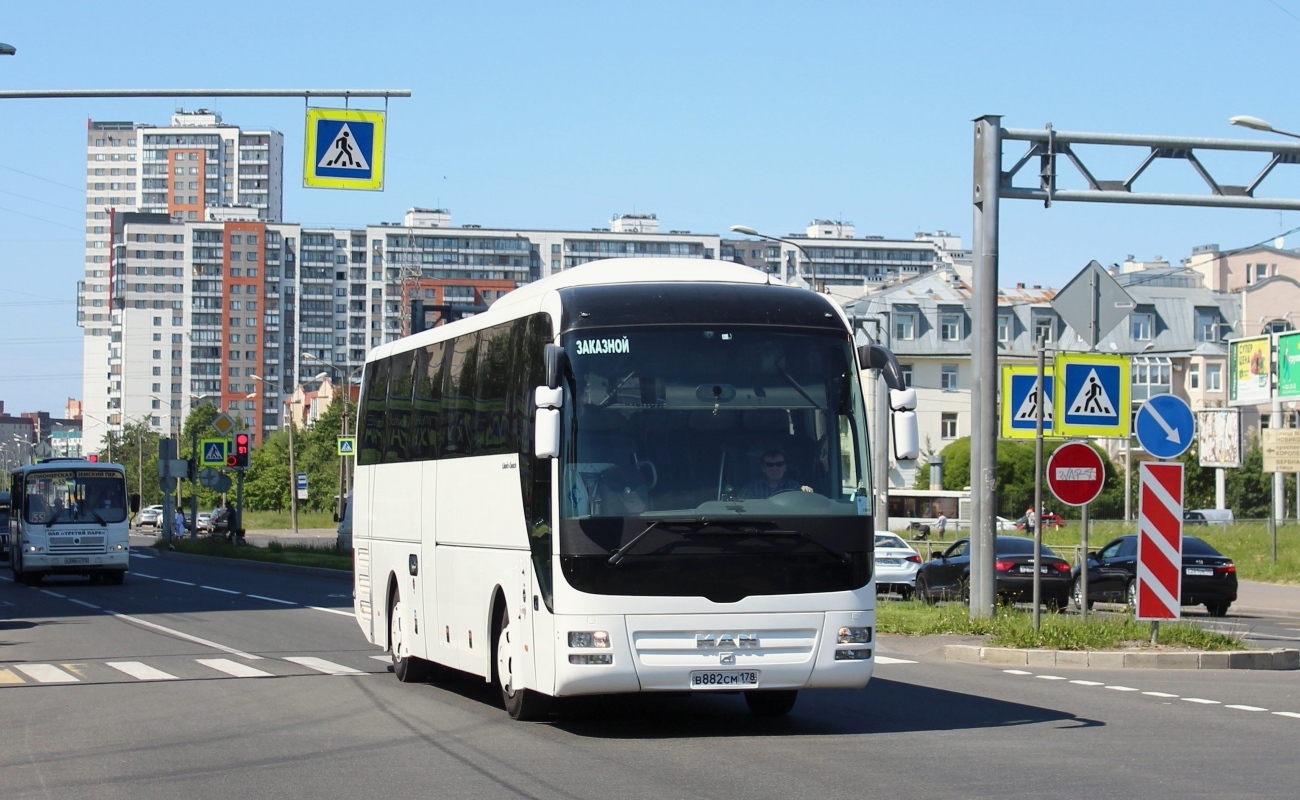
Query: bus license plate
724, 679
74, 560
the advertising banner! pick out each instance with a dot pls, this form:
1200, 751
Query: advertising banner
1288, 366
1218, 436
1249, 371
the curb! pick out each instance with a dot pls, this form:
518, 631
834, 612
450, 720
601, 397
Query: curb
256, 566
1101, 659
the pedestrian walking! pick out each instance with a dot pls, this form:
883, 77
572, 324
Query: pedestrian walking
941, 524
178, 524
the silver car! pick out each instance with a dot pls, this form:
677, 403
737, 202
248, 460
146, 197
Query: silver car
896, 565
148, 517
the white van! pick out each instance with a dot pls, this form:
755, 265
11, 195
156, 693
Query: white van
1218, 516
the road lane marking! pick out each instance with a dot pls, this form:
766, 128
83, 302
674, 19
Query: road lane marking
185, 636
273, 600
1247, 708
1050, 677
351, 614
1291, 714
321, 665
46, 673
219, 589
1088, 683
142, 575
54, 594
879, 659
1017, 672
385, 659
182, 583
1161, 694
233, 668
140, 671
1202, 701
1122, 688
8, 676
83, 603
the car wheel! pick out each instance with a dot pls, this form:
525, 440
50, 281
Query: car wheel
1131, 595
406, 667
1076, 593
923, 590
1217, 609
774, 703
520, 704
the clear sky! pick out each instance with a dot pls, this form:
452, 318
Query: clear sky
708, 114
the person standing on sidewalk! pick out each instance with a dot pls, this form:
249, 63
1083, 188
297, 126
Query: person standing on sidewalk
178, 525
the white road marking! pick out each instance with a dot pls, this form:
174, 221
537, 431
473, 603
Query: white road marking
1088, 683
385, 659
54, 594
273, 600
1017, 672
350, 614
142, 575
1247, 708
83, 603
1161, 694
321, 665
218, 589
138, 554
46, 673
185, 636
140, 671
1050, 677
1122, 688
1202, 701
879, 659
1291, 714
182, 583
233, 668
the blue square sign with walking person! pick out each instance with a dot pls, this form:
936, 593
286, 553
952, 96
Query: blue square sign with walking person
344, 149
1092, 397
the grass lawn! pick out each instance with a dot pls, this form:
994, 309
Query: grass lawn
282, 521
1013, 627
300, 555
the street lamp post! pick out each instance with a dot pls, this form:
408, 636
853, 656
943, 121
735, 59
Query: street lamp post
1257, 124
812, 269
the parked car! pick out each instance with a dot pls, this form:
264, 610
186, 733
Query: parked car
204, 522
1004, 524
1192, 518
1209, 577
149, 516
947, 574
219, 520
896, 565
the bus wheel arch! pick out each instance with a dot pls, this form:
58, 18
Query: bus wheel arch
407, 668
521, 704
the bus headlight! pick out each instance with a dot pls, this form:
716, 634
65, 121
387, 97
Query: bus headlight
590, 658
853, 635
118, 547
588, 639
853, 655
34, 548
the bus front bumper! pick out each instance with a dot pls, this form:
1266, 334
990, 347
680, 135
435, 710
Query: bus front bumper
74, 564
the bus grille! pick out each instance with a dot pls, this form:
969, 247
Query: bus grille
76, 545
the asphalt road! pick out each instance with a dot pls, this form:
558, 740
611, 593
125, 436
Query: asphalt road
137, 692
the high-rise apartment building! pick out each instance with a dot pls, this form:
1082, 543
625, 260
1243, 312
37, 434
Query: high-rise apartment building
173, 174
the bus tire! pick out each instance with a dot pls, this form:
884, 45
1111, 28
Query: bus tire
407, 668
773, 703
524, 705
115, 577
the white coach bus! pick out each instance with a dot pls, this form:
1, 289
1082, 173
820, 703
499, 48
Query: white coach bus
638, 475
69, 517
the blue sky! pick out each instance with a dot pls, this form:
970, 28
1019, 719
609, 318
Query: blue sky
560, 115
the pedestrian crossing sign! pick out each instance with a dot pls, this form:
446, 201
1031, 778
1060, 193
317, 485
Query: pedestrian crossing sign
213, 452
1020, 400
344, 149
347, 445
1092, 394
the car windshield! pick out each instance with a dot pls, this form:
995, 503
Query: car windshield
1198, 547
687, 421
75, 496
1019, 546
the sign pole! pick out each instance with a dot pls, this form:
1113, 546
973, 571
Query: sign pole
1083, 569
1038, 484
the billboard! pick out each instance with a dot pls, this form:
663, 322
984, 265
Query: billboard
1288, 366
1250, 369
1218, 437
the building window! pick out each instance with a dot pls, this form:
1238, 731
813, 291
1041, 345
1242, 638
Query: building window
906, 369
1213, 377
948, 377
948, 425
1207, 326
1194, 376
1044, 327
1004, 329
1151, 375
904, 327
950, 327
1141, 330
1277, 326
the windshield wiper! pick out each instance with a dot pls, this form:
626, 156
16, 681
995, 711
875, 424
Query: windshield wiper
617, 556
801, 391
736, 526
103, 522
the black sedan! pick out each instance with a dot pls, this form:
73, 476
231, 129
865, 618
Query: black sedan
947, 574
1209, 577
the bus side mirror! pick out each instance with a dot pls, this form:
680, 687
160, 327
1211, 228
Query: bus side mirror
135, 502
881, 359
546, 429
907, 437
553, 357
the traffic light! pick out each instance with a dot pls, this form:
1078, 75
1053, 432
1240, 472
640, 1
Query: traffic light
191, 469
239, 458
93, 457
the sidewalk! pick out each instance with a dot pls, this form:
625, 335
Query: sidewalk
1266, 600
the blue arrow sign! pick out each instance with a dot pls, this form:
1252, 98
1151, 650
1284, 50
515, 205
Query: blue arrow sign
1165, 426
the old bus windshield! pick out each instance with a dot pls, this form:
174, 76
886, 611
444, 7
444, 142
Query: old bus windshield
737, 422
75, 496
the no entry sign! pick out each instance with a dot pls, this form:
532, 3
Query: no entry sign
1075, 474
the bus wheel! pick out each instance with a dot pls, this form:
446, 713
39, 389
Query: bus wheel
521, 704
406, 667
115, 577
775, 703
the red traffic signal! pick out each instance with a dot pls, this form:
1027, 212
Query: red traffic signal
239, 458
93, 457
231, 461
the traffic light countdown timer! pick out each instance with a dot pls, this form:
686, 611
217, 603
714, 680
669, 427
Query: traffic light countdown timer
238, 458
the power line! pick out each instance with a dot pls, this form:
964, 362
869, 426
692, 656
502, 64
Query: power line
77, 189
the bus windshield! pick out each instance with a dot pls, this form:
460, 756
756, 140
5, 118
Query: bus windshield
75, 496
666, 423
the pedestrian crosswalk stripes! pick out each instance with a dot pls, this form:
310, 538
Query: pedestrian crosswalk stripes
172, 669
